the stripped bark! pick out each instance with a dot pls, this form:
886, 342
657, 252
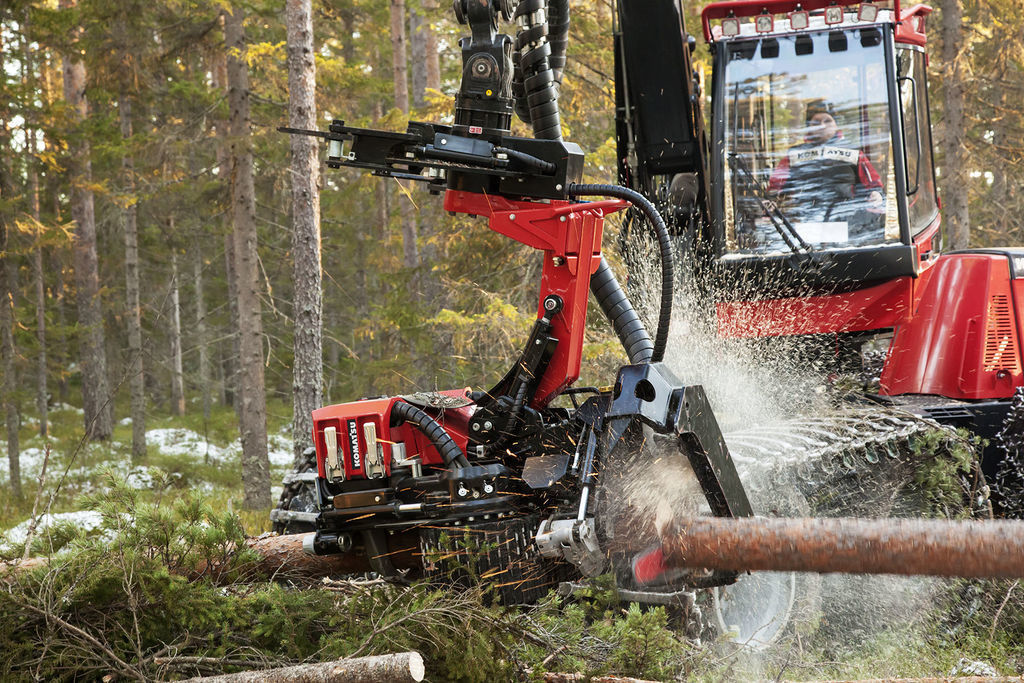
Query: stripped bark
133, 304
308, 365
252, 408
404, 667
97, 407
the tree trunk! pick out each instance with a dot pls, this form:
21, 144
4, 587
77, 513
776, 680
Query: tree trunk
308, 365
433, 60
404, 667
204, 353
253, 408
10, 380
410, 232
177, 372
955, 172
96, 400
38, 277
228, 364
133, 314
418, 48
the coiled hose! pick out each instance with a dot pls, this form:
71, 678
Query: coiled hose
442, 440
533, 81
665, 248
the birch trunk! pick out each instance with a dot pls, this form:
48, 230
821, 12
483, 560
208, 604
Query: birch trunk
177, 372
308, 366
133, 314
252, 408
96, 401
955, 172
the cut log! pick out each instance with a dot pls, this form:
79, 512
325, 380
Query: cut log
283, 558
396, 668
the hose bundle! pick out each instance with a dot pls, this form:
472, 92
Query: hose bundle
534, 80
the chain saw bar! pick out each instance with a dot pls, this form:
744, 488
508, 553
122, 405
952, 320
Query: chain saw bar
431, 153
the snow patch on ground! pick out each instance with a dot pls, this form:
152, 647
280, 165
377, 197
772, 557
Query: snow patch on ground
84, 519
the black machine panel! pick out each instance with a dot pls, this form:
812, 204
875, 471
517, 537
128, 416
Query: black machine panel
655, 91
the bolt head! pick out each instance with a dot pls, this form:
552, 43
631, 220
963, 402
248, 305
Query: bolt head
488, 425
511, 216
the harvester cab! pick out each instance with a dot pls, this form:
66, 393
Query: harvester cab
810, 202
523, 472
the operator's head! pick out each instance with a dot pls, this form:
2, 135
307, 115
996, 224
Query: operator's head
821, 122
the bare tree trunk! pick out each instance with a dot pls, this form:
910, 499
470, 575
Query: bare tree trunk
955, 172
96, 400
400, 72
177, 372
418, 29
228, 362
42, 402
133, 314
10, 381
204, 353
253, 408
433, 60
308, 365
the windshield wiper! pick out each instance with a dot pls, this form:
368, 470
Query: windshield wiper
771, 209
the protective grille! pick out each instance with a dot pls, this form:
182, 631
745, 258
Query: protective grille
1000, 340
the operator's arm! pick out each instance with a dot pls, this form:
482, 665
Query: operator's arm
779, 176
870, 179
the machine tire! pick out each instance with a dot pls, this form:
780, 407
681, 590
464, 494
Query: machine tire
298, 495
498, 556
765, 608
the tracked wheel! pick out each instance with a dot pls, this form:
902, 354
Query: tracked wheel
296, 510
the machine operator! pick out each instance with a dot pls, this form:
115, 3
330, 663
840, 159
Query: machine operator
826, 179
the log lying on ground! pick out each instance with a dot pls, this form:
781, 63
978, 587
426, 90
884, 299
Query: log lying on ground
980, 549
404, 667
282, 557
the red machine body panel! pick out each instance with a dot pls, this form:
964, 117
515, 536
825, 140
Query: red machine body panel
880, 306
963, 339
569, 234
350, 422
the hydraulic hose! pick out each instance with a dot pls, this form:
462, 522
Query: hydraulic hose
620, 313
533, 81
442, 440
664, 246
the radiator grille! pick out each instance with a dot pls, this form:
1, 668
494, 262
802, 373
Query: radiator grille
1000, 340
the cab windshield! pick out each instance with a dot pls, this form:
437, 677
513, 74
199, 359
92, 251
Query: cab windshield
808, 151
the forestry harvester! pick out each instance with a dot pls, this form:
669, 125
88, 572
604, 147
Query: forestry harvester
538, 479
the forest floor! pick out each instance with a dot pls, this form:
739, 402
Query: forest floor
867, 627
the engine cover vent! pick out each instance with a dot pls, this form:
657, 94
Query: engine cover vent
1000, 339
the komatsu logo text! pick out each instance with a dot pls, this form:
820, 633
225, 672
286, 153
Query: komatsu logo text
353, 440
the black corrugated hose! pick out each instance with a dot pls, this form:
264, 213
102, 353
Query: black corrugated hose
533, 81
443, 442
664, 245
